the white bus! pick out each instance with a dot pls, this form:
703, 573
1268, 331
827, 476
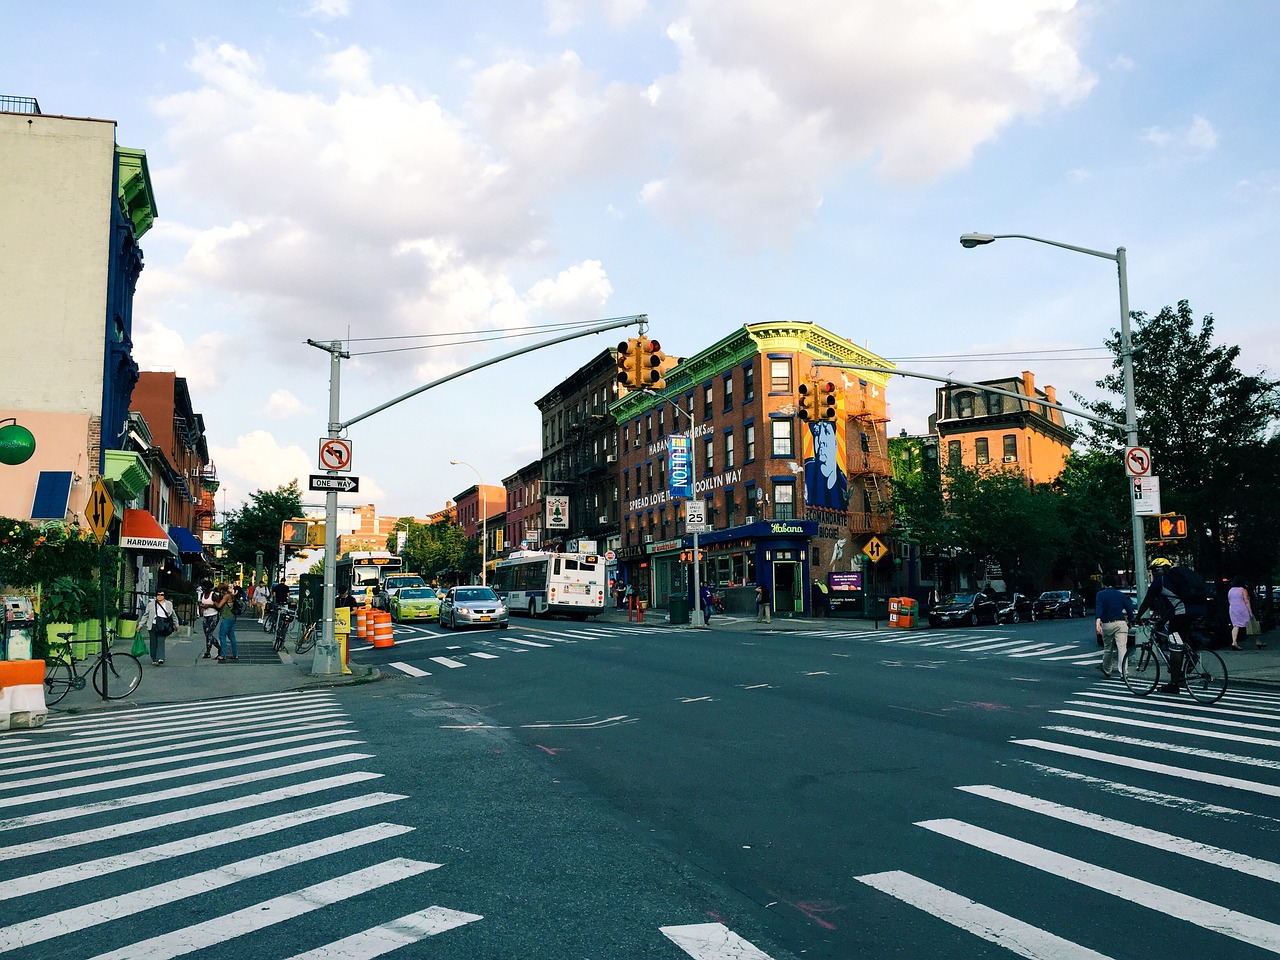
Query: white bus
540, 584
362, 571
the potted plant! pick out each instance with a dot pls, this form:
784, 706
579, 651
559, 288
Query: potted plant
61, 606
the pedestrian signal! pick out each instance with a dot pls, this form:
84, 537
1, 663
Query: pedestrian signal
293, 533
1173, 527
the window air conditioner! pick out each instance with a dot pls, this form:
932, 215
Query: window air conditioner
1010, 459
750, 518
602, 519
648, 538
610, 458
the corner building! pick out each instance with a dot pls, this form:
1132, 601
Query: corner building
789, 501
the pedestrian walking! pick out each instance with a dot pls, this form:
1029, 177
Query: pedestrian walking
1113, 611
227, 625
1240, 610
763, 604
209, 618
161, 619
705, 602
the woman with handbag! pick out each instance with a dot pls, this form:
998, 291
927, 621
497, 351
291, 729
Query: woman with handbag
1240, 610
161, 619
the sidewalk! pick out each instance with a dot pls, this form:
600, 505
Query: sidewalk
187, 676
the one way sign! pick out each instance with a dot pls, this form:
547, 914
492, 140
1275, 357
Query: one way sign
341, 484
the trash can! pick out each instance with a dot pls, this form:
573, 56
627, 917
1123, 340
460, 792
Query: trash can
678, 608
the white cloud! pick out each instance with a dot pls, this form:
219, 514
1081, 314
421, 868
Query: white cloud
764, 109
566, 15
1199, 135
328, 9
258, 462
282, 404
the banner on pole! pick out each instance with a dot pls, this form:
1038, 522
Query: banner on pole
679, 467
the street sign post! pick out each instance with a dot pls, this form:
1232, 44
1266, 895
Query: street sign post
326, 482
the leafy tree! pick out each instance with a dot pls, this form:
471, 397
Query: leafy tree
1096, 534
441, 546
256, 525
1204, 420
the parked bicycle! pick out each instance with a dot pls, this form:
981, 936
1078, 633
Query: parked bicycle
284, 623
269, 617
1203, 672
121, 672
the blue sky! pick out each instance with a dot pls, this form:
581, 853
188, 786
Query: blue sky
379, 168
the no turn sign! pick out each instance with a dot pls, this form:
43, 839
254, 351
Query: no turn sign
335, 454
1137, 461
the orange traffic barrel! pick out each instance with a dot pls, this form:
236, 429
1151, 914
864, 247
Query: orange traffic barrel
362, 621
382, 629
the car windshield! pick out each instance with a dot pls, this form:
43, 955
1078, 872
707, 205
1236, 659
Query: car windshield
416, 593
1054, 595
473, 594
958, 598
1003, 598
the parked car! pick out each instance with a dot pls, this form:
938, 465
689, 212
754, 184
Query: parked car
415, 603
969, 609
1058, 603
1014, 608
391, 585
473, 607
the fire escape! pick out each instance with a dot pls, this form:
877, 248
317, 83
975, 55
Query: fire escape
869, 469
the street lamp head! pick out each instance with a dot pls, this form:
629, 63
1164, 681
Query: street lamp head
454, 463
971, 240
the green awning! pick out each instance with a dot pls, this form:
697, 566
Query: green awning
128, 471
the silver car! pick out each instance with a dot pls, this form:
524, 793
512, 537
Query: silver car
473, 607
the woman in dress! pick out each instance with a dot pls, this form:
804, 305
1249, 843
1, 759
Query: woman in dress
1240, 610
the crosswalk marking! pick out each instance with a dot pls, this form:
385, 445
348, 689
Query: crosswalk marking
1012, 934
1206, 853
1211, 916
481, 655
58, 876
270, 912
75, 919
376, 941
447, 662
712, 941
1130, 721
1040, 653
410, 669
1169, 747
527, 643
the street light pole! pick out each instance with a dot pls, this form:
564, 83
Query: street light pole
484, 517
970, 240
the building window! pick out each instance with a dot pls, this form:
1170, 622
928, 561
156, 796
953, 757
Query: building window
662, 420
953, 452
1010, 448
782, 440
995, 404
728, 450
708, 399
648, 428
750, 450
784, 500
636, 441
748, 383
964, 405
728, 391
649, 478
980, 451
626, 483
751, 504
730, 507
708, 456
779, 376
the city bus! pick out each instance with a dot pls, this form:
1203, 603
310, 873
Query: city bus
362, 571
541, 584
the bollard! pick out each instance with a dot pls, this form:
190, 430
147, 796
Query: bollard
382, 635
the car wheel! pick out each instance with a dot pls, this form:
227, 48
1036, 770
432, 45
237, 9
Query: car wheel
1014, 617
971, 620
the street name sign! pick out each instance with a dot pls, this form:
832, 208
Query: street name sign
341, 484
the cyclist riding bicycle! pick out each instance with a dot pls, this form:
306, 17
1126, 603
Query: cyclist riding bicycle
1176, 596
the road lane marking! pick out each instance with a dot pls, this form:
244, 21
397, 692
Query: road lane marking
1172, 728
982, 921
712, 941
1169, 747
1041, 653
447, 662
376, 941
409, 669
1180, 906
270, 912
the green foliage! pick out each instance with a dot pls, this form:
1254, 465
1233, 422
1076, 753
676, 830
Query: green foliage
436, 548
1205, 421
256, 525
32, 554
1096, 532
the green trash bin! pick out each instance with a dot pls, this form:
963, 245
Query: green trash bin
678, 608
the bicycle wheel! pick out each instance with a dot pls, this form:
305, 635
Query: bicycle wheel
126, 674
1140, 670
1205, 676
58, 680
269, 622
307, 640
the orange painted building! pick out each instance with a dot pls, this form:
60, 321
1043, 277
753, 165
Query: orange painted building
984, 429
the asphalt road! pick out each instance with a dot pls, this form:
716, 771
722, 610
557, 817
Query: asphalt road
608, 791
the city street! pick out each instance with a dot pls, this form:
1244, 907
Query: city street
614, 790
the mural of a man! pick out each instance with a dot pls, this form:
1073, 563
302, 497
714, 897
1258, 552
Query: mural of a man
825, 482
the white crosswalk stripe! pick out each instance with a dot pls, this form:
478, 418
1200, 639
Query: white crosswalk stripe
1157, 752
135, 864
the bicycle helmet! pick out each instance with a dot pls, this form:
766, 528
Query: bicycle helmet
1160, 563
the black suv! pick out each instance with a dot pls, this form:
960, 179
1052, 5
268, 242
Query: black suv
1014, 608
969, 609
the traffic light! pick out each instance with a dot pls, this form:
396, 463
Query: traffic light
657, 364
628, 361
293, 533
1173, 527
808, 396
826, 400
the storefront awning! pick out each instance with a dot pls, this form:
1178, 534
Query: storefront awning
140, 531
187, 543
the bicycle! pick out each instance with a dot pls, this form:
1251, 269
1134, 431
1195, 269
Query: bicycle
61, 675
269, 614
1203, 672
283, 624
307, 639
